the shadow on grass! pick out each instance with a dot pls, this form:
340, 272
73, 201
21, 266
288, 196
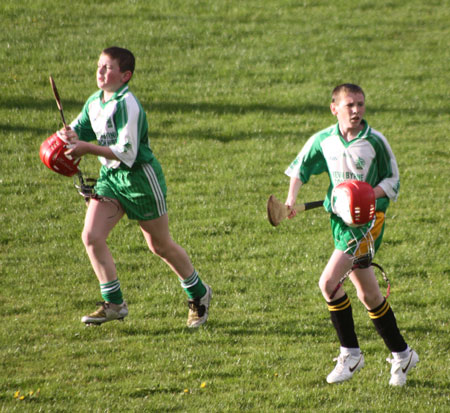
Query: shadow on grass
133, 330
215, 135
19, 105
42, 132
142, 393
236, 109
291, 328
173, 107
25, 102
434, 385
231, 329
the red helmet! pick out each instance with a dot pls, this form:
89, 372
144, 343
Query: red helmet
354, 202
53, 156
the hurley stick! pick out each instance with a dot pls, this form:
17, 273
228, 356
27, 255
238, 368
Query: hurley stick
277, 211
58, 101
60, 108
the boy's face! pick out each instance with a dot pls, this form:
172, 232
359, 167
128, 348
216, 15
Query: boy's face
349, 108
109, 76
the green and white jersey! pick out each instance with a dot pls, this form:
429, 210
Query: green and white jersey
367, 158
121, 124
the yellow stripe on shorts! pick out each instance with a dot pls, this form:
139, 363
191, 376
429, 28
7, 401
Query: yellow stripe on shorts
374, 230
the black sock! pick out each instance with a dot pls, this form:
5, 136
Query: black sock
342, 319
385, 323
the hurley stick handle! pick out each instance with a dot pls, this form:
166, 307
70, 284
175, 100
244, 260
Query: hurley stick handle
58, 100
308, 205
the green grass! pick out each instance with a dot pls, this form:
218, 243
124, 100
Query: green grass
233, 89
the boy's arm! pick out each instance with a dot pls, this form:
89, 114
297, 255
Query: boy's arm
294, 186
79, 148
131, 123
388, 170
379, 192
82, 124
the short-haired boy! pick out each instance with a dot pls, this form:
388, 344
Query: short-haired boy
131, 182
352, 150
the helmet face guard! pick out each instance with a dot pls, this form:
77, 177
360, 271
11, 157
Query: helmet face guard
354, 202
52, 154
364, 250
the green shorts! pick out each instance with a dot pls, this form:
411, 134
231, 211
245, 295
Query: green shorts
141, 190
353, 241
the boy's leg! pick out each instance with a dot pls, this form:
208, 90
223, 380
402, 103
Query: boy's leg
379, 309
385, 323
367, 287
338, 264
101, 217
350, 359
157, 235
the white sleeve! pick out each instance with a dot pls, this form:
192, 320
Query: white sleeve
391, 184
126, 148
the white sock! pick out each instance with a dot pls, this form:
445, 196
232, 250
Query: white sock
403, 354
354, 352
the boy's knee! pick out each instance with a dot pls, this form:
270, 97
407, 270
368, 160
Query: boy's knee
160, 249
370, 299
326, 286
166, 249
90, 238
85, 238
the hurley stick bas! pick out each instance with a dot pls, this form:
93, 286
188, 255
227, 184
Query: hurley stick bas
277, 211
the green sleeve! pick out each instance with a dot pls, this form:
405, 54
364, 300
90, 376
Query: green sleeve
82, 124
313, 162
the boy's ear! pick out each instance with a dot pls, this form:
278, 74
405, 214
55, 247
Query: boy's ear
333, 108
126, 76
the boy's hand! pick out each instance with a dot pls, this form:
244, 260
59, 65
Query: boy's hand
294, 186
290, 204
77, 148
68, 134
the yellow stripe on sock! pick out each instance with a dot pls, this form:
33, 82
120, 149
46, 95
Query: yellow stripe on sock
381, 312
341, 306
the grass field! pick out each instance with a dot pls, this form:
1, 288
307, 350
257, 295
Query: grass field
233, 89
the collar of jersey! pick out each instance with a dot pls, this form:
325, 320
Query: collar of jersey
119, 92
361, 135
